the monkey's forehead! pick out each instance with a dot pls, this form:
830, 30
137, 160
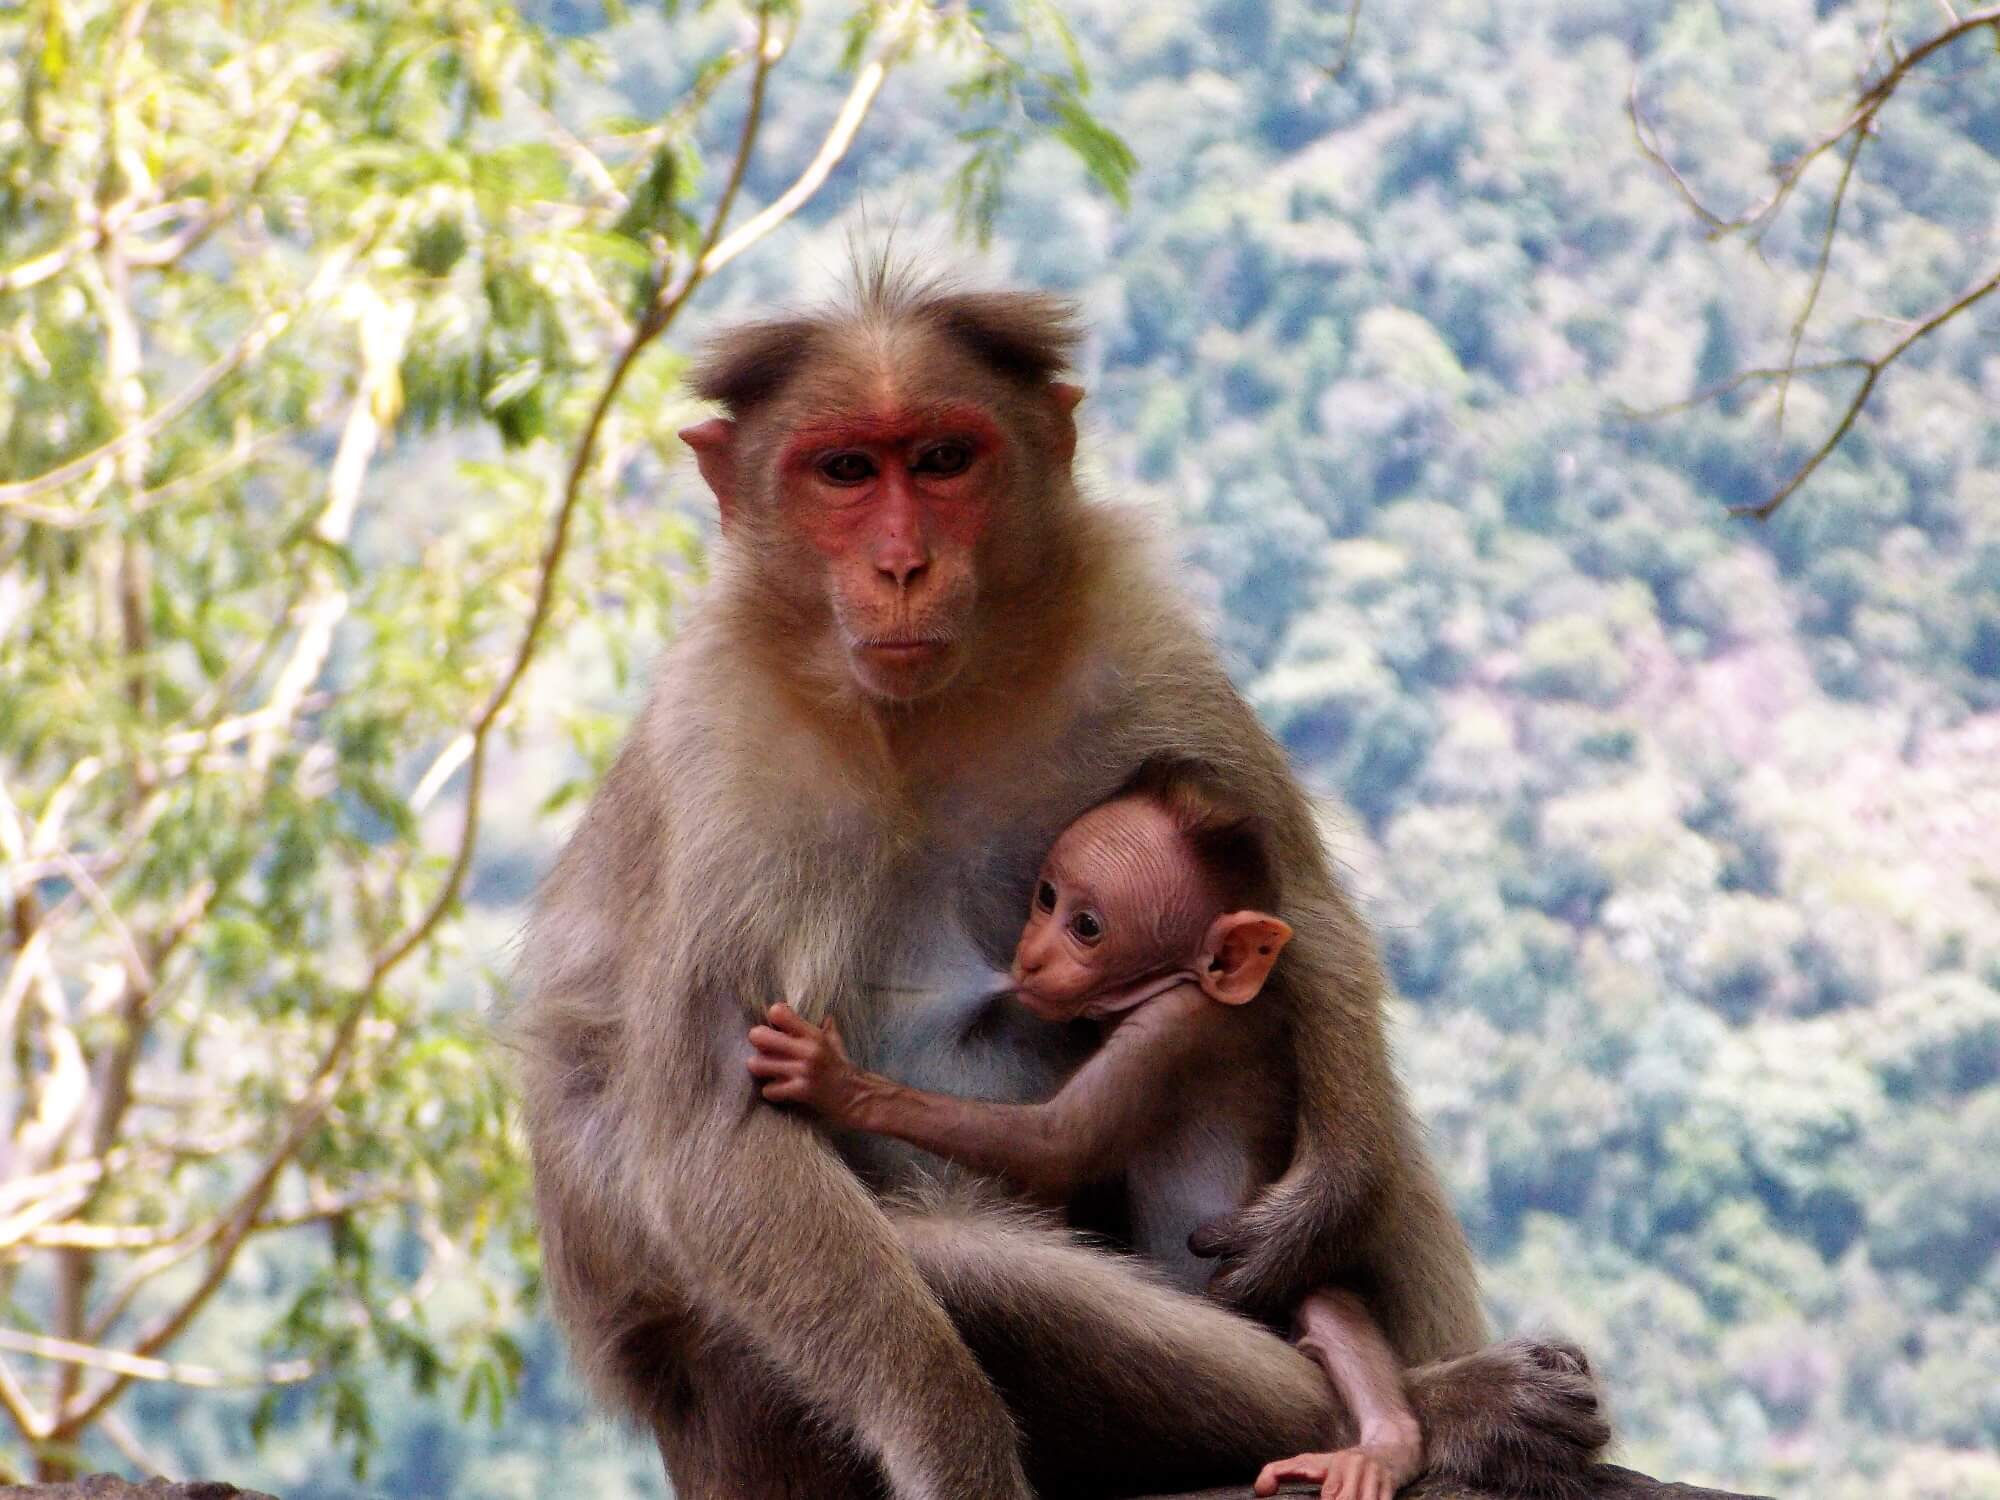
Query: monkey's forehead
1127, 850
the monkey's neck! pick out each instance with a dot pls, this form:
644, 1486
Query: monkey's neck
1117, 1001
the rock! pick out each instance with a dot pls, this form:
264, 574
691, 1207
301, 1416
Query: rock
111, 1487
1612, 1483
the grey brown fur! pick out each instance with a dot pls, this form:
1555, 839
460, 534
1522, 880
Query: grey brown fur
791, 1316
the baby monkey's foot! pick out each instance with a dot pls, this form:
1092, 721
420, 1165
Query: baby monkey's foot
1371, 1470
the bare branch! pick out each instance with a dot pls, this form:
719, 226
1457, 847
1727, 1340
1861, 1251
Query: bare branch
1854, 129
37, 269
1339, 65
1859, 139
1874, 368
14, 1400
138, 1367
120, 1435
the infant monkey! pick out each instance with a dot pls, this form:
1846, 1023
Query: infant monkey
1151, 917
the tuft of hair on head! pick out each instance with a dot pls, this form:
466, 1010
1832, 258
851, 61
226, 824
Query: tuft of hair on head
1028, 338
743, 367
1231, 843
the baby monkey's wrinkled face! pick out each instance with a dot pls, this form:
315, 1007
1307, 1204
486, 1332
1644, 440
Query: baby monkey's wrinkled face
1120, 897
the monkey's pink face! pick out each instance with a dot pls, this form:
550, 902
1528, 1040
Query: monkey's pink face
895, 501
1117, 899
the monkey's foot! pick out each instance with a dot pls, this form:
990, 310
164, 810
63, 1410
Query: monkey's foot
1519, 1418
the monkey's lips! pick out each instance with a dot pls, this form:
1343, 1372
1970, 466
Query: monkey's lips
905, 649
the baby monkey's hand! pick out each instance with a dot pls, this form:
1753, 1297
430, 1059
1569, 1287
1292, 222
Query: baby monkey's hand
1366, 1472
801, 1063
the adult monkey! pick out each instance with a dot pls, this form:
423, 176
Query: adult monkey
921, 656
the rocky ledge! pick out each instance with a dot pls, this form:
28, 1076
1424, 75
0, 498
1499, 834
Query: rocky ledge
1613, 1483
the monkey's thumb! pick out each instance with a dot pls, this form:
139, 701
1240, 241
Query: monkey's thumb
1210, 1240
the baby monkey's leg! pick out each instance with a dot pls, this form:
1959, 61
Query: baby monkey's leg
1337, 1330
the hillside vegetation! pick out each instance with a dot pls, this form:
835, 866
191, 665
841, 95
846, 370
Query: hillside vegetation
1681, 832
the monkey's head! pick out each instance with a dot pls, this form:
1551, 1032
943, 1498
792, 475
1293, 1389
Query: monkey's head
1163, 882
893, 477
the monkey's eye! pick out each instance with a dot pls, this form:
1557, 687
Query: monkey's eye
1087, 926
1045, 895
942, 460
846, 468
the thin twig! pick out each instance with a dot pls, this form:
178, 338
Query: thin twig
18, 1405
120, 1435
1875, 368
1855, 128
252, 343
1338, 66
1825, 257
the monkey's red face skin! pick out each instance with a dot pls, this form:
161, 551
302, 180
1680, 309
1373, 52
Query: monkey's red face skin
896, 501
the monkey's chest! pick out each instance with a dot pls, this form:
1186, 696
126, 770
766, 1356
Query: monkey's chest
1195, 1172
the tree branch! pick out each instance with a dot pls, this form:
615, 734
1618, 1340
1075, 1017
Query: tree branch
1859, 123
254, 340
1874, 369
134, 1367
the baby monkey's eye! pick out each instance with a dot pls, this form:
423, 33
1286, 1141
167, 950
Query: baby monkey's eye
1045, 895
1087, 925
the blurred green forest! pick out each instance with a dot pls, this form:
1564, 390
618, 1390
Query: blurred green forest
1681, 832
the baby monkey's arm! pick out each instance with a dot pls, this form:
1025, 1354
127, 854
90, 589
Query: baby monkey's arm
1088, 1131
1336, 1328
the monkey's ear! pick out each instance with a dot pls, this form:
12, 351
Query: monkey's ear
1064, 397
714, 445
1237, 955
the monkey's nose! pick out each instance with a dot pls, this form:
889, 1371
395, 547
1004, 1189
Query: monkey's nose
902, 568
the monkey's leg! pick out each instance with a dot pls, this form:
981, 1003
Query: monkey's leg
1122, 1384
728, 1426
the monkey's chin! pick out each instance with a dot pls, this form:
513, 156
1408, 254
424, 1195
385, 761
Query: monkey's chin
903, 672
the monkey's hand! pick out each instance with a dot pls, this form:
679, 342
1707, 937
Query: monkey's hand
804, 1064
1245, 1276
1368, 1471
1269, 1251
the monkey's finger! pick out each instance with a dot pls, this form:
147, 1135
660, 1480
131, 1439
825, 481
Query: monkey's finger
1213, 1240
764, 1039
1305, 1466
788, 1020
788, 1091
762, 1066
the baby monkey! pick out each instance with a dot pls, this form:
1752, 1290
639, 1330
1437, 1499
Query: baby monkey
1151, 917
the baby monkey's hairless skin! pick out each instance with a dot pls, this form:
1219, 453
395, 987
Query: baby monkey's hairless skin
1145, 919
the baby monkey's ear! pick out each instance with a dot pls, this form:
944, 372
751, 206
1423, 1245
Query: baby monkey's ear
1237, 955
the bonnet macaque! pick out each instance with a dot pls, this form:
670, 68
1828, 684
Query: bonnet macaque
921, 654
1152, 917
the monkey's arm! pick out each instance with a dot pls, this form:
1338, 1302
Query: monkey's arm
1095, 1124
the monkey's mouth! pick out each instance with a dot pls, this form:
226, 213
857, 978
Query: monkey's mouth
905, 650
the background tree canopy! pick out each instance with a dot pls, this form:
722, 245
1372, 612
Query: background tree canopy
1682, 834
